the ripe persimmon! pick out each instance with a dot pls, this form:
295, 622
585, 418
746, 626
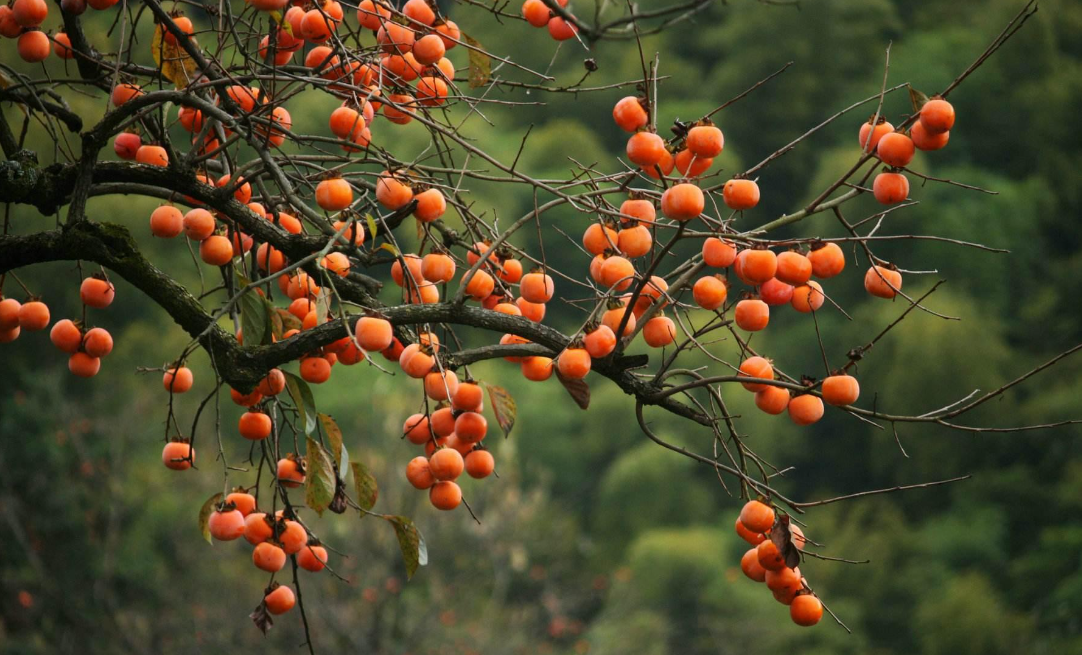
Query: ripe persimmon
198, 224
769, 556
561, 30
718, 253
273, 383
441, 385
753, 538
616, 272
268, 557
34, 47
216, 250
772, 399
599, 342
752, 314
751, 567
537, 287
430, 204
178, 379
537, 369
419, 473
374, 333
33, 316
446, 464
881, 129
257, 528
416, 429
292, 535
480, 285
705, 141
774, 292
480, 464
937, 116
924, 140
757, 266
827, 260
808, 297
805, 409
9, 312
882, 282
615, 315
83, 365
66, 336
628, 113
740, 194
97, 342
226, 524
282, 599
710, 292
334, 194
254, 426
890, 188
243, 501
690, 164
166, 222
659, 331
756, 367
635, 241
471, 427
793, 268
311, 558
639, 211
806, 610
152, 155
645, 149
290, 473
574, 363
683, 202
757, 516
445, 495
177, 455
895, 149
841, 390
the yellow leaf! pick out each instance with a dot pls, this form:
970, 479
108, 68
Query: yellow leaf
174, 62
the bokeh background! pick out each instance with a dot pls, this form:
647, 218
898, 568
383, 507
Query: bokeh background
593, 540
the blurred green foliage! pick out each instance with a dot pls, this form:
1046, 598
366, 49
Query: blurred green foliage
593, 540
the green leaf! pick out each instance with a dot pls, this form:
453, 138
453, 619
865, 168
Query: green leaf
389, 248
503, 406
254, 318
372, 227
365, 486
204, 515
579, 390
334, 438
410, 542
301, 394
916, 98
480, 63
320, 481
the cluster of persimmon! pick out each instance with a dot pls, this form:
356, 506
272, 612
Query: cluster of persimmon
766, 562
451, 434
539, 14
85, 347
22, 19
275, 538
931, 131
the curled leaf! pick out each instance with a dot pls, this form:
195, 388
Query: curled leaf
320, 481
480, 63
579, 390
503, 406
364, 484
410, 542
204, 515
